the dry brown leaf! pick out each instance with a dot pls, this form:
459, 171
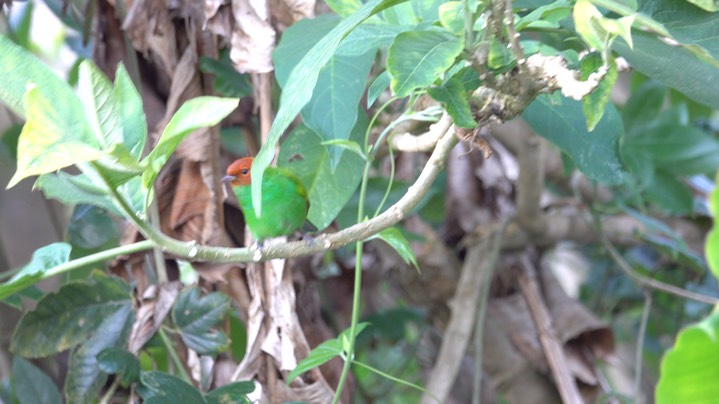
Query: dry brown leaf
218, 17
154, 306
253, 38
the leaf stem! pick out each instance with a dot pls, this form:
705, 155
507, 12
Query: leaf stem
173, 354
396, 380
13, 286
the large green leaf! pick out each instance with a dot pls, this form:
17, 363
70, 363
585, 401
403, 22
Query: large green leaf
70, 316
85, 379
32, 385
164, 388
43, 259
690, 369
697, 75
228, 81
300, 85
329, 190
50, 139
332, 110
417, 58
562, 122
196, 316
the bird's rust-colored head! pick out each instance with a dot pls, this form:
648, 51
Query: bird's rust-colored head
238, 173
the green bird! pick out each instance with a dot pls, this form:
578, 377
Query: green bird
284, 200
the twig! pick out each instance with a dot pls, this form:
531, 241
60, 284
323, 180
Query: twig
551, 343
394, 379
653, 283
638, 396
530, 186
482, 311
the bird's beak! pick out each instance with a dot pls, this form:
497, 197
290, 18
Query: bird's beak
228, 178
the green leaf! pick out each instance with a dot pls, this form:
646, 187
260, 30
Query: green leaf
298, 90
228, 81
96, 94
163, 388
417, 58
378, 86
32, 385
43, 259
598, 31
329, 190
50, 140
453, 97
74, 189
91, 228
676, 149
119, 362
594, 103
643, 107
712, 242
131, 114
596, 154
707, 5
669, 193
370, 37
323, 353
697, 76
344, 8
394, 237
85, 379
231, 393
196, 316
350, 145
70, 316
332, 110
545, 17
19, 67
690, 369
451, 16
196, 113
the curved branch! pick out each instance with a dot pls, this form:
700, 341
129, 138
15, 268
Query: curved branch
194, 252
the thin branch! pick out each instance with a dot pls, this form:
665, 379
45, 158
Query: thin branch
551, 343
638, 361
482, 311
23, 282
653, 283
530, 186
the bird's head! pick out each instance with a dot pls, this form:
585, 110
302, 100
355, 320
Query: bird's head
238, 173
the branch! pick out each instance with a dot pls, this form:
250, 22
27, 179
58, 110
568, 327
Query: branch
653, 283
551, 344
476, 276
408, 142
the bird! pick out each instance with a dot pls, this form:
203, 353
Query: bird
285, 201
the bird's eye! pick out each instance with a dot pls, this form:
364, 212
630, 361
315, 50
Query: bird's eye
245, 171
